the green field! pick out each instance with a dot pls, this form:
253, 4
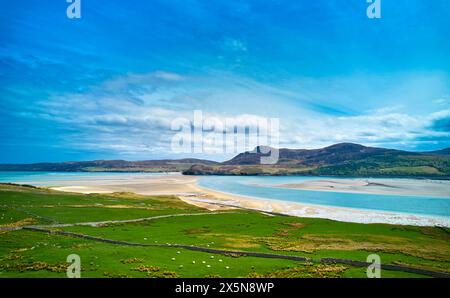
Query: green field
28, 253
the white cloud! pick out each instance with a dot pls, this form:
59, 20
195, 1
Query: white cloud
132, 115
372, 129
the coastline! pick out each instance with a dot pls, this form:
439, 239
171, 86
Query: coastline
187, 189
316, 211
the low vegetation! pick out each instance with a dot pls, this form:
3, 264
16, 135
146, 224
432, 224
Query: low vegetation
28, 253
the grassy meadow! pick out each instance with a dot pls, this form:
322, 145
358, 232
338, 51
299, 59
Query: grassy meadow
28, 253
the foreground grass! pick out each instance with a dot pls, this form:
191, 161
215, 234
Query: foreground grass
25, 253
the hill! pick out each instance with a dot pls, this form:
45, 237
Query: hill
166, 165
445, 152
328, 155
170, 238
345, 159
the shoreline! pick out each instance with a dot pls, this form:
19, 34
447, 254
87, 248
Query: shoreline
343, 214
187, 189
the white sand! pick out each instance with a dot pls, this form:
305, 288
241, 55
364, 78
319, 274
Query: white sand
186, 188
413, 187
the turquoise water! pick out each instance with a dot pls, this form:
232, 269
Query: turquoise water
265, 187
262, 187
39, 178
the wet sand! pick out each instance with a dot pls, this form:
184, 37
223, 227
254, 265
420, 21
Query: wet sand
413, 187
186, 188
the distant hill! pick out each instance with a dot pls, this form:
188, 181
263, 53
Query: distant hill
345, 159
328, 155
445, 152
165, 165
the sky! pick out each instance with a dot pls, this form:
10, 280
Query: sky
110, 84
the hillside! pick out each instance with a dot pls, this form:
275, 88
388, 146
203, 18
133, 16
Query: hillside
345, 159
162, 236
328, 155
445, 151
166, 165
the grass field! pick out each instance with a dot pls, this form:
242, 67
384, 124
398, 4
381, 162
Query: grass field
27, 253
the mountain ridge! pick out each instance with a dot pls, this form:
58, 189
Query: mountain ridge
338, 151
342, 159
162, 165
444, 152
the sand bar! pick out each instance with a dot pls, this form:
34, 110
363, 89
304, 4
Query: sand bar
413, 187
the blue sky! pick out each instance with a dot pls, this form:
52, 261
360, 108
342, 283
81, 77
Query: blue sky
108, 85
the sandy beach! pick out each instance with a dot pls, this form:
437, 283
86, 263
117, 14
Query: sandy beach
186, 188
413, 187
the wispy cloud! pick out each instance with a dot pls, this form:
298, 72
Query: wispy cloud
100, 88
131, 115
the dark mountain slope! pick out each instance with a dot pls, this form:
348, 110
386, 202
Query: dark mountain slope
329, 155
345, 159
445, 152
